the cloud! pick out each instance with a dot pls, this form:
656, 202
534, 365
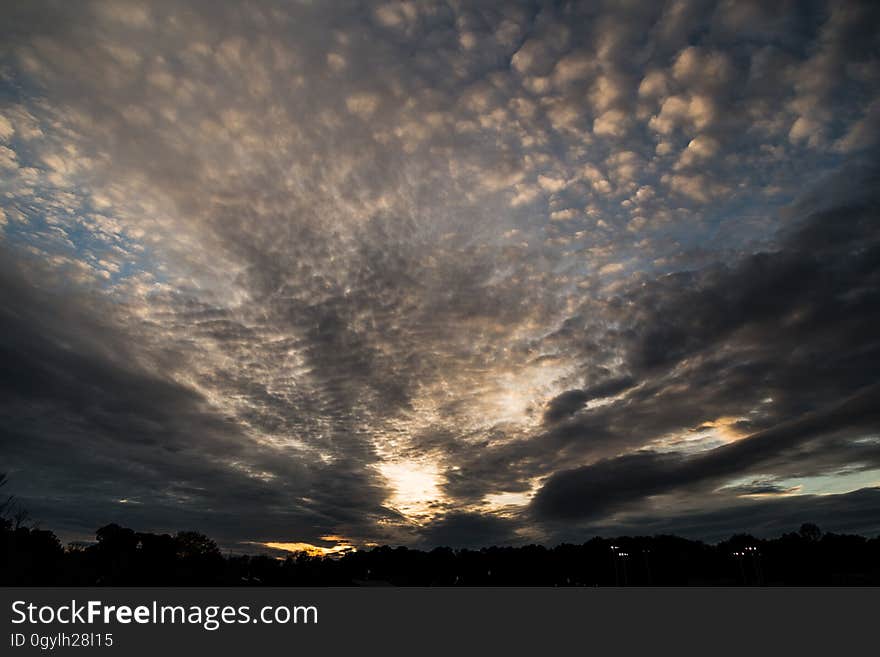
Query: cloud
571, 401
847, 513
257, 257
809, 301
92, 418
608, 485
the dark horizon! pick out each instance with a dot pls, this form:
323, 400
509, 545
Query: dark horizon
120, 556
421, 273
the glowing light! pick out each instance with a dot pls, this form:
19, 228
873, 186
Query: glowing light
519, 393
501, 500
709, 434
311, 550
415, 486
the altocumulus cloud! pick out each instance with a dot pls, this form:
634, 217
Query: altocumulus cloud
440, 273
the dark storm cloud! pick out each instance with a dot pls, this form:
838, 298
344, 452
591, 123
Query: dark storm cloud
92, 433
611, 484
571, 401
346, 268
795, 326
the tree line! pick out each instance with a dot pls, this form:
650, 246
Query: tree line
120, 556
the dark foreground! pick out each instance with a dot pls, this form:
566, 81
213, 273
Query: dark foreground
123, 557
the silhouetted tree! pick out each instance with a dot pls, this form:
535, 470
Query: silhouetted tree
810, 532
198, 557
11, 512
28, 555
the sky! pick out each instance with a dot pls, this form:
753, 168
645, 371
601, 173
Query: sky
420, 273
